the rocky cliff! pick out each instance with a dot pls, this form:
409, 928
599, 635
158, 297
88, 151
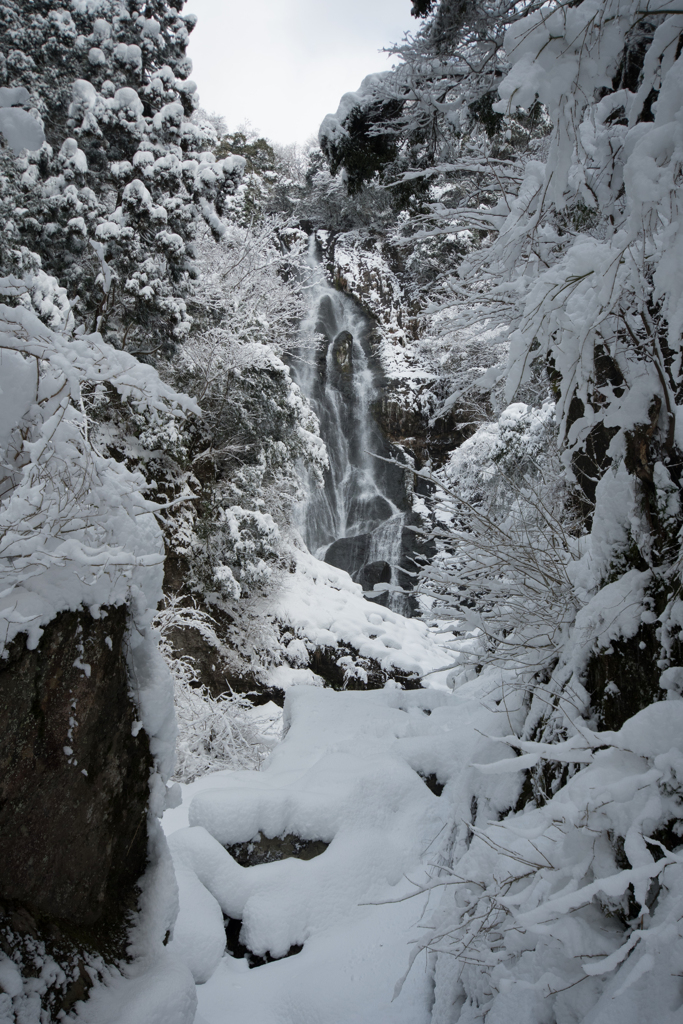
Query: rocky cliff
74, 794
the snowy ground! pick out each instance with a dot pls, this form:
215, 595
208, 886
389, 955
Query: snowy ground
347, 772
350, 771
522, 917
322, 605
527, 914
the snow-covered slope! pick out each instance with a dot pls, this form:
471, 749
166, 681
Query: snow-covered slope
522, 915
322, 605
347, 773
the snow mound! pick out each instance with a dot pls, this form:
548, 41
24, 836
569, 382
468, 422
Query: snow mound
519, 906
322, 604
348, 773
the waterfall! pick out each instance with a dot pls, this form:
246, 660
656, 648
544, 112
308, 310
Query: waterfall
357, 520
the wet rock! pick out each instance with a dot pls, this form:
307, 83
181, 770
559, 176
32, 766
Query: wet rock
378, 509
348, 553
327, 321
341, 371
428, 441
368, 512
399, 422
342, 352
236, 948
262, 850
373, 573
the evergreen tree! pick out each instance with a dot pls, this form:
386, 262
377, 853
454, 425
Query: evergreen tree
111, 202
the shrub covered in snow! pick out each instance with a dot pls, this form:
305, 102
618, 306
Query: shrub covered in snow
553, 133
506, 538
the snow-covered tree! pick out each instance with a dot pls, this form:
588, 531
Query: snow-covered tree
111, 201
242, 458
580, 272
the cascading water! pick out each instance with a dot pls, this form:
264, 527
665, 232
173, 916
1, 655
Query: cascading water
357, 520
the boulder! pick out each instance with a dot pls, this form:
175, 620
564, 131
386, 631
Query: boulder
348, 553
368, 511
262, 850
343, 668
341, 372
372, 573
74, 786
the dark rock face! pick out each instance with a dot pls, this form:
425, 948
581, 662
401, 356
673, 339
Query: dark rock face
74, 785
432, 783
427, 441
207, 660
372, 573
327, 322
341, 375
625, 680
378, 509
262, 850
342, 350
348, 553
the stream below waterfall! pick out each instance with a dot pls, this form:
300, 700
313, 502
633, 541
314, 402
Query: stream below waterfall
359, 519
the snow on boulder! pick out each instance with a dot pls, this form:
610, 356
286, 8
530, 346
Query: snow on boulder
199, 933
323, 606
353, 772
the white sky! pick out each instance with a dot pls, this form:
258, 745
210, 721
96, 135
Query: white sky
283, 64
